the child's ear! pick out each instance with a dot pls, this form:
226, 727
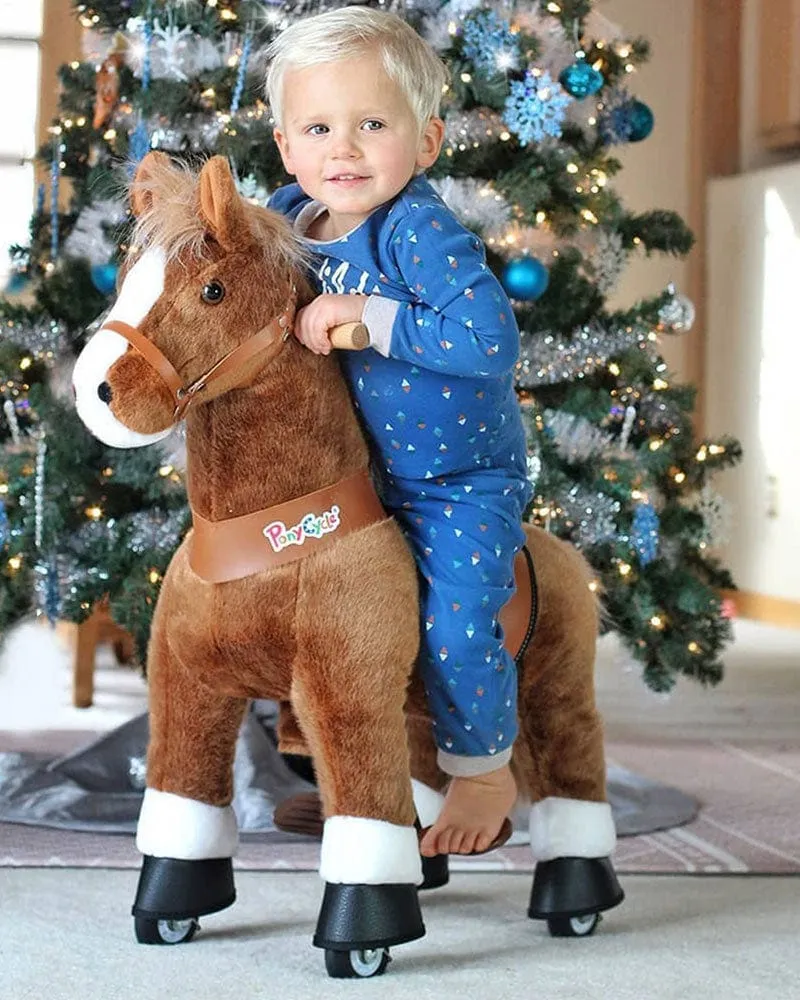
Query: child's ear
283, 148
430, 143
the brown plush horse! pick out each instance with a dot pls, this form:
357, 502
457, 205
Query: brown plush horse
293, 585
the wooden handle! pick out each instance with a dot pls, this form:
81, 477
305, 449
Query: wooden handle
350, 337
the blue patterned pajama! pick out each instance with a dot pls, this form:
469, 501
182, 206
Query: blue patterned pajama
464, 545
436, 398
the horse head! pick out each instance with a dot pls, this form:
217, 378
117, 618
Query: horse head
206, 299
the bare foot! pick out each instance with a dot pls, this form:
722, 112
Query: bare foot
474, 810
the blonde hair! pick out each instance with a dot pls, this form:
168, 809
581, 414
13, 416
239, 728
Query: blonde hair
352, 31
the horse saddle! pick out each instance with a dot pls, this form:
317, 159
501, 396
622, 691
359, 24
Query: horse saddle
237, 547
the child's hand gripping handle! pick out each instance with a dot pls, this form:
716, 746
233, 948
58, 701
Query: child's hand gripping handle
349, 337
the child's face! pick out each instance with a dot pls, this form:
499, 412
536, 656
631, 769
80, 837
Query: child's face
350, 137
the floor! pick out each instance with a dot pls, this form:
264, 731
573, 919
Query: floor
66, 934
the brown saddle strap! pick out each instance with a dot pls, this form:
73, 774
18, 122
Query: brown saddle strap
220, 551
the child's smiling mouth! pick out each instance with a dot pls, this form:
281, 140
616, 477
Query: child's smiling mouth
347, 180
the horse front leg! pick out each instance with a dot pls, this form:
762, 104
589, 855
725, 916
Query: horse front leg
187, 828
356, 652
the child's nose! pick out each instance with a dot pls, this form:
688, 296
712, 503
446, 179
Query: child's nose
346, 146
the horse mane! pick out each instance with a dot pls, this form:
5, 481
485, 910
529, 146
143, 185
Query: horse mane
174, 222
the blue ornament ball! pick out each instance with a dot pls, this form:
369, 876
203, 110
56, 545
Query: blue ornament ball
104, 277
17, 283
641, 121
525, 278
581, 79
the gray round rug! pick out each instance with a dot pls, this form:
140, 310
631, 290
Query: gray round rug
99, 787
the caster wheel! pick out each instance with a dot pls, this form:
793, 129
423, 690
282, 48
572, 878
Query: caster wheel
573, 926
356, 964
149, 931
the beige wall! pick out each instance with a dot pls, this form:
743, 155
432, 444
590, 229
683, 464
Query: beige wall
656, 173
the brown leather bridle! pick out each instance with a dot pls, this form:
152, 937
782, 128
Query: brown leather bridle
274, 335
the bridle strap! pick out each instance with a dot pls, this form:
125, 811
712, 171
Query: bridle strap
275, 335
149, 352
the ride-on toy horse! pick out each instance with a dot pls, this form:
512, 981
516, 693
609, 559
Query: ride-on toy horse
294, 585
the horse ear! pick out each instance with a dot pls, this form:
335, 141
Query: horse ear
221, 206
142, 196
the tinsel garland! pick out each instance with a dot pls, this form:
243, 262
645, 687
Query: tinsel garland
475, 127
576, 439
591, 517
90, 238
43, 339
476, 204
547, 359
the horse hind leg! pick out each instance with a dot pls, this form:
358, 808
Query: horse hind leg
187, 829
559, 755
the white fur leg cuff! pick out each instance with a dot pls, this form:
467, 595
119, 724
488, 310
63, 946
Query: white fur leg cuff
171, 826
571, 828
427, 802
358, 851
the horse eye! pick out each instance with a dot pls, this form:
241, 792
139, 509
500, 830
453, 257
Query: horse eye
213, 293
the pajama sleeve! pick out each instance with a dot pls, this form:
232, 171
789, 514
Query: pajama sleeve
460, 321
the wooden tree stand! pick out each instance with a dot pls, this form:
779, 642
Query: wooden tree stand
98, 628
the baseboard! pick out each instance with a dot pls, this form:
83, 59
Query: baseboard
763, 608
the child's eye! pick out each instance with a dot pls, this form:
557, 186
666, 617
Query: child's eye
317, 130
373, 125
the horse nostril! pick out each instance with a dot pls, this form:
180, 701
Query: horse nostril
104, 392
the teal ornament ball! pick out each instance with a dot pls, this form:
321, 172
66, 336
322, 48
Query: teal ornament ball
17, 283
525, 278
641, 121
104, 277
581, 79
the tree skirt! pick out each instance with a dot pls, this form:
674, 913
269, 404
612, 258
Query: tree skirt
99, 788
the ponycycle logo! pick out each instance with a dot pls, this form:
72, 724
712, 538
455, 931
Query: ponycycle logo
311, 526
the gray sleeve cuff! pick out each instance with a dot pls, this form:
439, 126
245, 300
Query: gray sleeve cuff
470, 767
378, 317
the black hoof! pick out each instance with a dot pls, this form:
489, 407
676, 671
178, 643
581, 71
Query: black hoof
368, 917
573, 887
435, 871
172, 889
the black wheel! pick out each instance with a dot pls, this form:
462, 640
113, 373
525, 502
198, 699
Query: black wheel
149, 931
357, 964
573, 926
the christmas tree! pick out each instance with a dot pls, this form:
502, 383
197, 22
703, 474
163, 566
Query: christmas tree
538, 101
